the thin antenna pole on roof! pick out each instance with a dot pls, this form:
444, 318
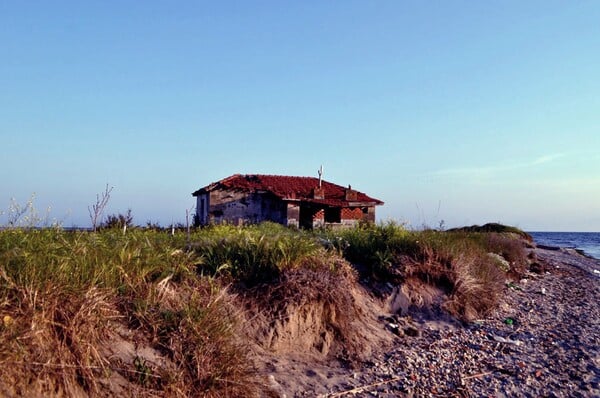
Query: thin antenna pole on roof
320, 175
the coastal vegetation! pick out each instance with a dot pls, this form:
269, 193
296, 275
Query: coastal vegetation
146, 311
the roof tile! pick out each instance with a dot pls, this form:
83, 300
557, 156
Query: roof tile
289, 187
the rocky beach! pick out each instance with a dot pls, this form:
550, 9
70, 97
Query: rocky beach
542, 340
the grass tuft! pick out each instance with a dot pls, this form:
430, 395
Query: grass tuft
254, 254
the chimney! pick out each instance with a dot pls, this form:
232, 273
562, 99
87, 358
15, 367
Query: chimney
351, 195
319, 193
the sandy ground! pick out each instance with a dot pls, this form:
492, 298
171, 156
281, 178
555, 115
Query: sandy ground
543, 340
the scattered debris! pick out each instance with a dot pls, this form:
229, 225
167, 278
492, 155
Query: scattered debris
501, 339
395, 328
363, 388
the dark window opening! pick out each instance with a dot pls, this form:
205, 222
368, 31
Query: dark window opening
333, 215
306, 217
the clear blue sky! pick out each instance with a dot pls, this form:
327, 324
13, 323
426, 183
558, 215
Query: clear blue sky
467, 112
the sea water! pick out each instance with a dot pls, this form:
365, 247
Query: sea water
588, 242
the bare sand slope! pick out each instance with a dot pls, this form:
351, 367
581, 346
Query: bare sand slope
543, 340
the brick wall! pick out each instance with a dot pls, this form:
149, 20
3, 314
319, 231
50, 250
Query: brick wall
355, 213
319, 215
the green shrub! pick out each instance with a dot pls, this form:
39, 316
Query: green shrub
252, 254
495, 228
118, 220
375, 247
511, 249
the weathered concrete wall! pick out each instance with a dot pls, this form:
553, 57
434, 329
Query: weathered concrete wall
202, 205
370, 216
241, 207
293, 215
273, 209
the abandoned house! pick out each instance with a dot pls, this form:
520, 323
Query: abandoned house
305, 202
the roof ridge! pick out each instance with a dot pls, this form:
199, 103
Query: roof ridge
272, 175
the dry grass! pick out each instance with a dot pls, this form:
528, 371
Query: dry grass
478, 285
51, 346
471, 279
63, 296
511, 249
456, 262
194, 325
308, 309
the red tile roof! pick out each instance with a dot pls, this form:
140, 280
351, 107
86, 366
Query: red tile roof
290, 188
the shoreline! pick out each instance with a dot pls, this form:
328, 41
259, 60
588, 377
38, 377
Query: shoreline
571, 256
584, 243
566, 249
